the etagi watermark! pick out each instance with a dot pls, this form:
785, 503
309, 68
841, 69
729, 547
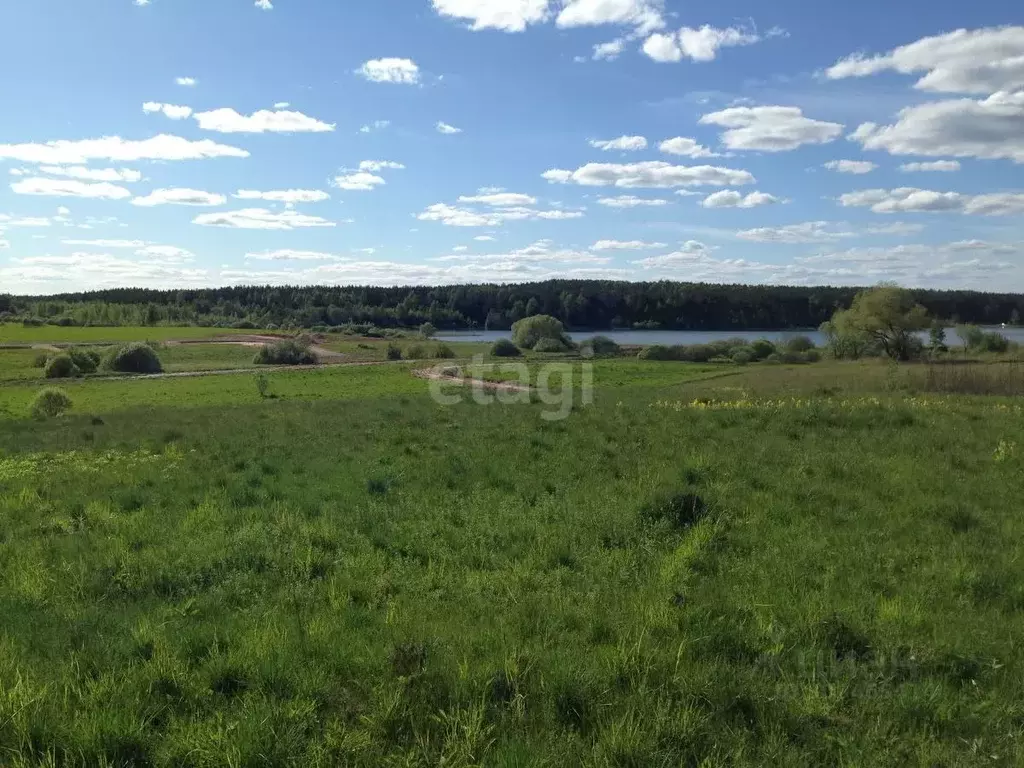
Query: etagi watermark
554, 384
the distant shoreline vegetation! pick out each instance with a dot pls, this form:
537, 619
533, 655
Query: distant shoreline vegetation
580, 305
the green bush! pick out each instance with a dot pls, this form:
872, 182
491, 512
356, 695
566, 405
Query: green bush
444, 352
599, 346
32, 322
415, 352
549, 346
812, 356
133, 358
720, 359
762, 348
243, 325
993, 342
505, 348
655, 352
774, 359
428, 331
87, 360
394, 352
743, 356
287, 352
530, 330
50, 402
799, 344
40, 360
61, 367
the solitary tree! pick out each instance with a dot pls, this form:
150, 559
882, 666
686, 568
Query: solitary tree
528, 331
887, 315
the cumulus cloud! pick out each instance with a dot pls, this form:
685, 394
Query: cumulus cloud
261, 218
402, 71
770, 129
991, 129
284, 195
691, 252
264, 5
540, 251
805, 232
484, 238
90, 174
114, 148
651, 174
506, 15
226, 120
170, 110
946, 166
188, 82
685, 147
289, 254
376, 125
910, 199
728, 198
106, 243
700, 44
609, 51
166, 253
621, 144
69, 188
449, 130
499, 199
851, 166
373, 166
630, 201
456, 216
644, 15
625, 245
977, 61
179, 196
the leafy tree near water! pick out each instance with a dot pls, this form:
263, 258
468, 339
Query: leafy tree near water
530, 330
886, 315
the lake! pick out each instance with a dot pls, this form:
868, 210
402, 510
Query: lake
672, 338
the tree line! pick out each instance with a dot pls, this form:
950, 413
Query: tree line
591, 304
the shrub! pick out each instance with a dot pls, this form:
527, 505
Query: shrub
287, 352
32, 322
505, 348
428, 331
319, 329
743, 356
762, 348
87, 360
799, 344
61, 367
394, 352
415, 352
774, 359
271, 326
40, 360
530, 330
549, 346
719, 359
812, 356
993, 342
600, 345
696, 353
50, 402
655, 352
133, 358
444, 352
243, 325
262, 385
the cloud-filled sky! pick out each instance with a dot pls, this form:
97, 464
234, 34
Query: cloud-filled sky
189, 143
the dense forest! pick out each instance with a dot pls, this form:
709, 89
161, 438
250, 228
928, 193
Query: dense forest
579, 304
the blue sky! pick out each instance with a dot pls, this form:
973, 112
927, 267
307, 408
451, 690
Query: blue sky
188, 143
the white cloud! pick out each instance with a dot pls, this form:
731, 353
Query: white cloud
770, 129
106, 243
91, 174
807, 232
651, 174
261, 218
681, 145
978, 61
443, 127
114, 148
728, 198
454, 216
281, 105
284, 195
625, 245
946, 166
288, 254
187, 82
609, 51
359, 181
376, 125
992, 129
645, 15
559, 215
851, 166
69, 188
910, 199
166, 252
629, 201
264, 5
179, 196
506, 15
692, 251
621, 144
373, 166
540, 251
62, 211
23, 221
460, 249
484, 238
700, 44
226, 120
500, 199
4, 245
403, 71
172, 111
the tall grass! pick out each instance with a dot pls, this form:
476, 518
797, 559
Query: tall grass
1003, 378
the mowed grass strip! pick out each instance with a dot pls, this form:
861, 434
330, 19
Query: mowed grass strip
383, 581
14, 333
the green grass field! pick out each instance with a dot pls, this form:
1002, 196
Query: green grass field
12, 333
708, 566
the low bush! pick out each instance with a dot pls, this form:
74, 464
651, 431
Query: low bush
415, 352
600, 346
444, 352
287, 352
32, 322
549, 346
656, 352
762, 348
87, 360
799, 344
394, 352
243, 325
743, 356
505, 348
133, 358
61, 367
40, 360
50, 402
991, 341
428, 330
774, 359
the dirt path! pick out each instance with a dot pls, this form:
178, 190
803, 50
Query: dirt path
494, 386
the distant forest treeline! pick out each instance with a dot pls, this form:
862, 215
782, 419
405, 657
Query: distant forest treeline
579, 304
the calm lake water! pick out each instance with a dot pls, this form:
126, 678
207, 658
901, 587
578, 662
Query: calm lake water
670, 338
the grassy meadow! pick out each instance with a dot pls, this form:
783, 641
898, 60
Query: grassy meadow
708, 566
